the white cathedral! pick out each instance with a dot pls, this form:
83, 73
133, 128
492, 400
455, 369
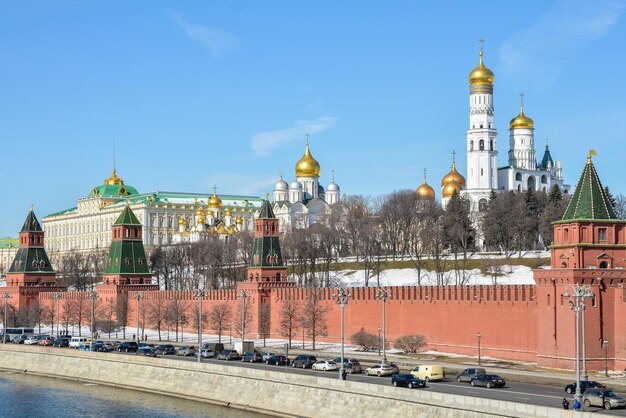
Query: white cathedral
523, 171
304, 202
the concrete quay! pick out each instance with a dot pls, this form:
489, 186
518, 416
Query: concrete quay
265, 391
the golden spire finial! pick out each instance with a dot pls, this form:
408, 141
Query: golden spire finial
307, 139
521, 102
424, 175
214, 189
453, 159
267, 196
592, 152
482, 41
32, 206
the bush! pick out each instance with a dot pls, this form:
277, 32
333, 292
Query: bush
365, 340
410, 343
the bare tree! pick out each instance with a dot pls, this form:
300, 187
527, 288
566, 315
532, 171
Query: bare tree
289, 315
156, 309
122, 312
265, 326
247, 318
314, 317
364, 339
220, 316
410, 343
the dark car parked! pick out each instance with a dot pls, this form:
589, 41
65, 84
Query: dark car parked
252, 358
61, 342
304, 361
351, 365
467, 374
19, 339
571, 388
228, 355
407, 380
128, 347
165, 349
488, 380
100, 347
277, 360
146, 351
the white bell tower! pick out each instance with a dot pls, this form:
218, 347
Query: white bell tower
482, 169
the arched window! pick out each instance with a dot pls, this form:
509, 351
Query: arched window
604, 265
482, 205
518, 176
481, 145
531, 183
563, 265
544, 179
472, 145
491, 145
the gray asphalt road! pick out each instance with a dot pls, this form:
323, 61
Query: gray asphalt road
514, 392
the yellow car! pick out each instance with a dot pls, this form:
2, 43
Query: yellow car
429, 373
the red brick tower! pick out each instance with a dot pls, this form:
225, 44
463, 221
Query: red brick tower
589, 249
31, 271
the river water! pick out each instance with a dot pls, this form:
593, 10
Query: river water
32, 396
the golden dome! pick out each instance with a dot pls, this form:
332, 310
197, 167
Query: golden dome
307, 166
228, 212
199, 212
425, 191
521, 120
222, 230
210, 213
201, 220
182, 221
232, 230
450, 187
114, 180
239, 220
453, 176
214, 201
481, 74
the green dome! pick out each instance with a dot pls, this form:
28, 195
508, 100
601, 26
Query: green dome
113, 187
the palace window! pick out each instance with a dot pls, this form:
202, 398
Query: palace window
601, 234
481, 144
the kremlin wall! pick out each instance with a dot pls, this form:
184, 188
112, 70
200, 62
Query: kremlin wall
517, 322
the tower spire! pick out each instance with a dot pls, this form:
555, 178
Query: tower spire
424, 175
521, 102
453, 159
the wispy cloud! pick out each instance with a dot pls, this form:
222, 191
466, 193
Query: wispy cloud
562, 29
216, 41
263, 142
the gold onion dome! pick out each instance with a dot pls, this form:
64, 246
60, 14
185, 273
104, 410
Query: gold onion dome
449, 188
182, 221
425, 191
239, 220
210, 213
521, 120
453, 176
307, 166
114, 180
481, 74
229, 212
199, 212
214, 201
201, 220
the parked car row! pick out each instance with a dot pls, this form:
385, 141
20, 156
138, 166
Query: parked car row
596, 394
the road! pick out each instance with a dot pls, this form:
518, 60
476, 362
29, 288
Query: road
513, 391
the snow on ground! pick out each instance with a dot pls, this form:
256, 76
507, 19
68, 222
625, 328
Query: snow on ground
408, 277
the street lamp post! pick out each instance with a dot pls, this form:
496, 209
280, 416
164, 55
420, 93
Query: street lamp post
342, 300
138, 296
183, 322
580, 293
6, 296
584, 376
93, 295
200, 295
383, 294
57, 296
243, 295
605, 345
230, 334
379, 329
478, 338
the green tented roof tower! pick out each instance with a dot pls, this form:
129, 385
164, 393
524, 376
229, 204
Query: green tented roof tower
127, 263
589, 201
31, 265
267, 260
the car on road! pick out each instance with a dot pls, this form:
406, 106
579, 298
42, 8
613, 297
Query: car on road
571, 388
488, 381
32, 340
407, 380
19, 339
380, 370
76, 341
266, 355
186, 350
304, 361
277, 360
165, 349
429, 372
61, 342
604, 398
146, 345
46, 342
467, 374
252, 358
100, 347
127, 347
325, 365
350, 365
228, 355
84, 347
146, 351
206, 353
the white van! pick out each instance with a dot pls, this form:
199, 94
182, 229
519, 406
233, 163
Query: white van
429, 373
76, 341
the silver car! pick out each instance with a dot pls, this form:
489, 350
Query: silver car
605, 398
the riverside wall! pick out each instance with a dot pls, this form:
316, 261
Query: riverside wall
266, 391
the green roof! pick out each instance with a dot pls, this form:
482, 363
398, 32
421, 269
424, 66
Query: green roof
113, 190
127, 217
589, 200
127, 257
266, 211
31, 224
9, 242
31, 260
547, 159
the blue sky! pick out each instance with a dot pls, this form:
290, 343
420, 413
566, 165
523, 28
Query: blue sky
197, 93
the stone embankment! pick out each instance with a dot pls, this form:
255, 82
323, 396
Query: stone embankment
270, 392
